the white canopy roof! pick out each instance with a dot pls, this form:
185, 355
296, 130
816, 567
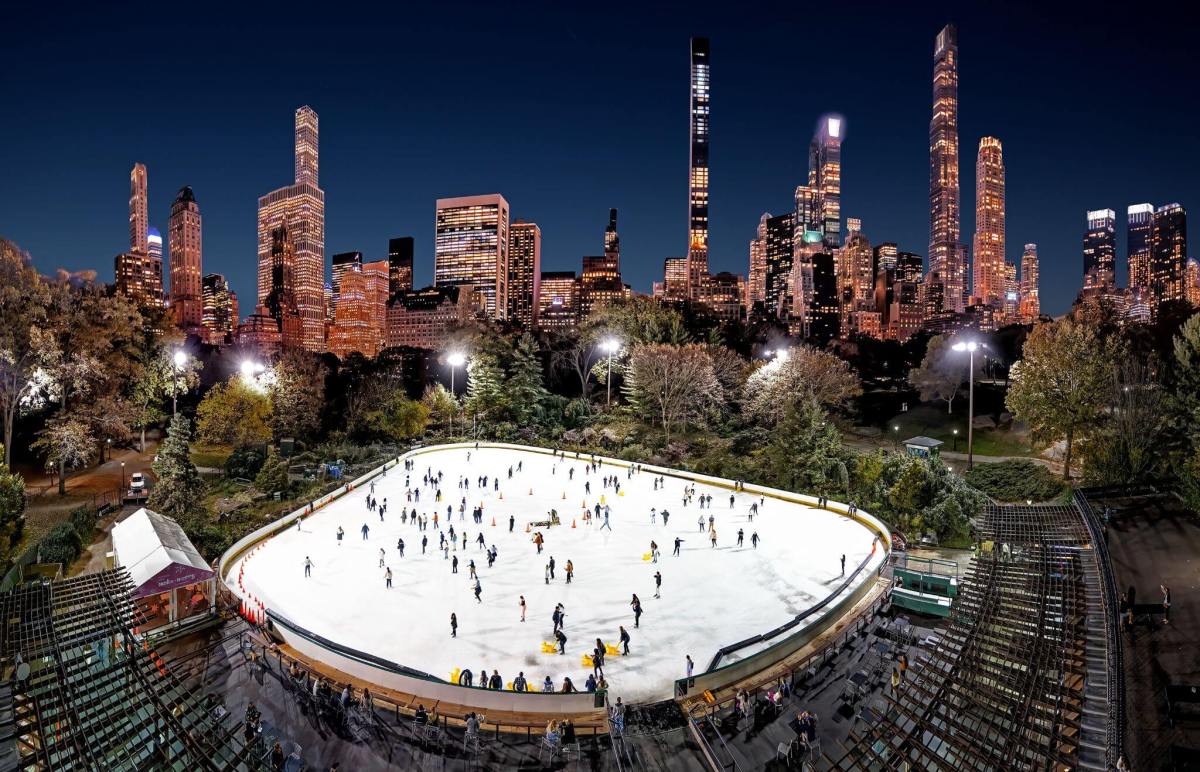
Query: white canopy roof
157, 553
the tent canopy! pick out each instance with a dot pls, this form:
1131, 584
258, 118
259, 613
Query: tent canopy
157, 553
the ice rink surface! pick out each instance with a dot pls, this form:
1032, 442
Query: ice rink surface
711, 597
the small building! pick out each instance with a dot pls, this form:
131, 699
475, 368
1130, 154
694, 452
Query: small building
923, 447
173, 585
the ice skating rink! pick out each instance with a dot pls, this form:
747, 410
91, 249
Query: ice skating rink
711, 597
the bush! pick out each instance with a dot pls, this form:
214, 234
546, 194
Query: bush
84, 519
61, 545
1015, 480
244, 463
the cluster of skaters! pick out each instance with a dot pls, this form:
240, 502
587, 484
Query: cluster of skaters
454, 544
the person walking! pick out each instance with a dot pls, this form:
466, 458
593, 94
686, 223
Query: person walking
453, 625
624, 639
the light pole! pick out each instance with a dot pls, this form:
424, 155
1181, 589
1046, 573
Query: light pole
178, 361
956, 440
456, 360
121, 492
612, 346
970, 347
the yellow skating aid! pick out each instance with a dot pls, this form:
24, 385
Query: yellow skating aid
508, 686
586, 660
620, 493
611, 650
647, 556
454, 674
602, 501
549, 648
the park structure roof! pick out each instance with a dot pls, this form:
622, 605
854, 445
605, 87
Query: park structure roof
924, 442
157, 553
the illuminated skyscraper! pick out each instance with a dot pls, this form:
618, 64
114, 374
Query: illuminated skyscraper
1168, 253
186, 257
471, 249
300, 208
612, 239
825, 180
697, 259
1137, 244
1100, 251
139, 220
856, 282
988, 270
339, 265
600, 280
154, 249
281, 296
220, 309
756, 286
886, 256
675, 278
558, 301
1030, 304
1012, 292
779, 255
400, 264
360, 315
945, 252
524, 273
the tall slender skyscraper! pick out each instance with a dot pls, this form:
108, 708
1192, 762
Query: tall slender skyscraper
1137, 244
400, 264
281, 297
139, 220
600, 279
471, 248
825, 179
988, 271
220, 309
300, 207
1030, 304
524, 273
185, 253
756, 285
697, 256
1100, 251
945, 253
1168, 253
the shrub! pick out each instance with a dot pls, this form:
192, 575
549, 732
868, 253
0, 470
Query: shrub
244, 463
61, 545
84, 521
1015, 480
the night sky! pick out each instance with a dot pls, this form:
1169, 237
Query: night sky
569, 109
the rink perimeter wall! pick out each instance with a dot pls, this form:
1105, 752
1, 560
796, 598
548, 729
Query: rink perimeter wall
394, 676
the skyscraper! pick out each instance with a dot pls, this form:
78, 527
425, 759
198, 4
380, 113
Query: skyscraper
1137, 244
756, 285
220, 309
471, 248
1100, 251
825, 179
138, 273
524, 273
856, 280
400, 264
988, 270
186, 258
697, 256
945, 252
600, 279
339, 265
139, 220
1030, 304
154, 249
612, 239
1168, 253
779, 257
300, 208
558, 301
886, 256
360, 315
675, 278
281, 297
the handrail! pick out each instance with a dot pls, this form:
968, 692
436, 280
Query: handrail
1116, 676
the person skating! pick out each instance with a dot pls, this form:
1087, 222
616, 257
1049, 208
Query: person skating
598, 657
700, 522
606, 525
308, 564
665, 516
740, 535
678, 544
636, 604
561, 637
754, 539
453, 625
558, 616
537, 539
387, 578
712, 535
624, 639
546, 573
470, 567
653, 551
381, 554
365, 530
512, 521
658, 584
424, 543
454, 565
522, 608
653, 514
551, 564
570, 570
690, 665
400, 546
478, 591
843, 565
340, 534
519, 683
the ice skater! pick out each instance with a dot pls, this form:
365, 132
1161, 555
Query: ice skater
365, 530
308, 564
690, 665
570, 570
653, 514
551, 564
843, 565
561, 637
636, 605
478, 591
754, 539
712, 534
387, 578
731, 501
424, 543
678, 544
512, 521
340, 534
653, 551
453, 625
658, 584
665, 516
522, 608
454, 565
741, 535
700, 522
624, 640
606, 525
400, 546
381, 555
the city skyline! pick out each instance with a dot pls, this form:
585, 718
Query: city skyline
752, 171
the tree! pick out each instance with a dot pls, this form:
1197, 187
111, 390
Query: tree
67, 442
635, 321
805, 452
297, 395
12, 510
273, 476
400, 418
441, 404
178, 490
805, 372
235, 414
1128, 443
672, 385
23, 299
485, 385
1060, 384
524, 387
942, 372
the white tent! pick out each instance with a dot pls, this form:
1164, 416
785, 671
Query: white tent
157, 554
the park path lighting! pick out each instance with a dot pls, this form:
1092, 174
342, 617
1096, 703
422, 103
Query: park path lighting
970, 347
179, 360
122, 491
956, 440
612, 346
455, 359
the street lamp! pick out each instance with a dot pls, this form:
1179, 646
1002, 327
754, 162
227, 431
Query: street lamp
781, 355
455, 359
970, 347
122, 491
956, 440
179, 360
612, 346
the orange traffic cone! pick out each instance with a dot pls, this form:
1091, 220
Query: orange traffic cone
583, 504
527, 528
531, 491
564, 495
572, 522
493, 522
502, 495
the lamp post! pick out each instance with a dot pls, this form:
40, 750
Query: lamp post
970, 347
178, 361
612, 346
122, 491
896, 436
456, 360
956, 440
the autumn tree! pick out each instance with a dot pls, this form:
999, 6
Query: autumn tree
178, 490
440, 404
12, 510
272, 477
235, 414
803, 373
1060, 384
297, 394
67, 442
674, 386
398, 417
23, 298
942, 372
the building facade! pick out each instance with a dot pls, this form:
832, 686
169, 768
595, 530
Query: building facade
139, 207
260, 333
1168, 254
424, 318
220, 315
856, 283
558, 301
360, 314
1100, 252
471, 244
1030, 303
945, 251
400, 264
756, 282
281, 296
524, 273
1138, 219
699, 107
300, 208
186, 254
137, 273
988, 267
779, 255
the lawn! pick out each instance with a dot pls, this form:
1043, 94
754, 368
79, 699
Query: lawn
933, 421
210, 455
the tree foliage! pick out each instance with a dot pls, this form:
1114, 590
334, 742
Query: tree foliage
178, 490
273, 476
1015, 480
942, 372
806, 373
12, 510
805, 452
23, 299
235, 414
297, 396
675, 386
